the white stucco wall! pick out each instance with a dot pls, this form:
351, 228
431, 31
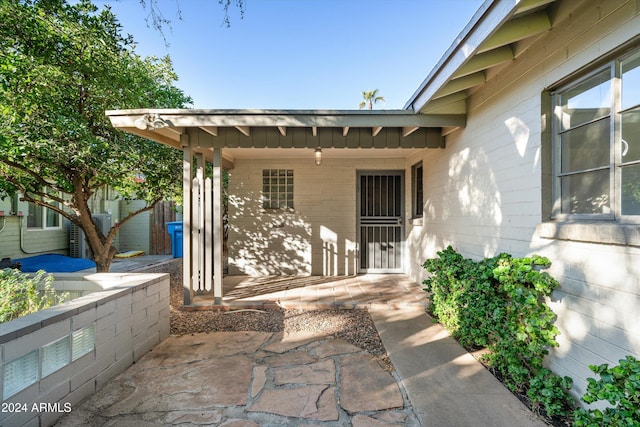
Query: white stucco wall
318, 237
483, 192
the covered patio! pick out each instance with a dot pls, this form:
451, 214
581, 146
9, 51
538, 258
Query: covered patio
386, 291
361, 140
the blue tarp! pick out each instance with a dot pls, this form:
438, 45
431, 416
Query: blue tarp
53, 263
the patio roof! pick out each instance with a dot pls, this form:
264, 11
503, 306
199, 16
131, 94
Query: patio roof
260, 129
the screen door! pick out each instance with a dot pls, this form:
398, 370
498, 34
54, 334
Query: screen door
380, 221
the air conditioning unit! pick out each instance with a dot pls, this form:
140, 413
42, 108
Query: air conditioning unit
78, 245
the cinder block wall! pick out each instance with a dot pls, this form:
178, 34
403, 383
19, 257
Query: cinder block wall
127, 322
317, 237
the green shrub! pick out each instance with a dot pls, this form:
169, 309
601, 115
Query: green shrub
498, 303
22, 294
620, 386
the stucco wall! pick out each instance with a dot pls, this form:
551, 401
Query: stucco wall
483, 192
318, 237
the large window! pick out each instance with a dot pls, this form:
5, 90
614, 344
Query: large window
277, 189
596, 155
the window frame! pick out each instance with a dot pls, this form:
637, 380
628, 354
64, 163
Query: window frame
268, 192
43, 223
613, 66
417, 190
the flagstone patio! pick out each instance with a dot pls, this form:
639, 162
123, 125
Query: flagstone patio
250, 379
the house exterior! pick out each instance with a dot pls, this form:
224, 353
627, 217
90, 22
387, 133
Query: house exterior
27, 229
525, 138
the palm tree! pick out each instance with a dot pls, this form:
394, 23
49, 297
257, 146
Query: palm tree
369, 97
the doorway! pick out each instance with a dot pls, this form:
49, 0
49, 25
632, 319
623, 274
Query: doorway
380, 222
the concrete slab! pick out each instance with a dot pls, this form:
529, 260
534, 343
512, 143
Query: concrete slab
445, 385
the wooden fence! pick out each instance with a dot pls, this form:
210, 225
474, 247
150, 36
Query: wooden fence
163, 212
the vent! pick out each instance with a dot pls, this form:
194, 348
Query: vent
78, 245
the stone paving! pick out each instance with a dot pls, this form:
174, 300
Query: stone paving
250, 379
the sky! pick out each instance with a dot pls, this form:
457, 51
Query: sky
299, 54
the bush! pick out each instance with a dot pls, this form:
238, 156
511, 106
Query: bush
22, 294
498, 303
620, 386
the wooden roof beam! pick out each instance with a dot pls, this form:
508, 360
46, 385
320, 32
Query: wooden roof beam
345, 131
408, 130
282, 130
527, 5
517, 29
272, 118
486, 60
460, 84
211, 130
376, 130
155, 136
245, 130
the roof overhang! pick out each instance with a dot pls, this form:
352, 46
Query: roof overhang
240, 129
498, 33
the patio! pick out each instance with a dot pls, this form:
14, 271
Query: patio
317, 292
268, 378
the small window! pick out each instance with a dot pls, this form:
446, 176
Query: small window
596, 155
417, 190
277, 189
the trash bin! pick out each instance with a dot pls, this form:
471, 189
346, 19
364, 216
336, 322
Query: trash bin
175, 231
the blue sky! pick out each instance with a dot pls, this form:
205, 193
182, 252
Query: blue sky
300, 54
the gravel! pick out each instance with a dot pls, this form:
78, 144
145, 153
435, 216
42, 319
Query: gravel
353, 326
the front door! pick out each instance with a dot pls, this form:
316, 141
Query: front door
380, 221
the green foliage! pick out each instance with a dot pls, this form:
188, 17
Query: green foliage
618, 385
22, 294
62, 65
370, 97
498, 303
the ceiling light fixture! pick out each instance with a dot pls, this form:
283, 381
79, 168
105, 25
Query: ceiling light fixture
317, 155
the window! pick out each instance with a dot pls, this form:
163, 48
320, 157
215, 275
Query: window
277, 189
417, 190
596, 147
41, 217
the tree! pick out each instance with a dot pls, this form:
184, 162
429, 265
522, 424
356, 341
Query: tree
156, 19
62, 65
370, 97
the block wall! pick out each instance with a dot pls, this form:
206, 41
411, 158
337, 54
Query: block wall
126, 322
317, 237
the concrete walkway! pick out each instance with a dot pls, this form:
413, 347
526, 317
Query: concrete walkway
445, 384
